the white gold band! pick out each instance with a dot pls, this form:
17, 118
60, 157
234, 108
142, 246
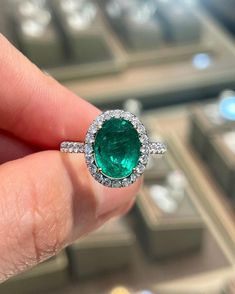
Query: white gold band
76, 147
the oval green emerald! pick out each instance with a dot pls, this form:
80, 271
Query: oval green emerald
117, 148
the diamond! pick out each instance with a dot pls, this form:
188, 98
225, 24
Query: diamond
135, 122
157, 148
116, 184
144, 138
117, 113
99, 177
127, 116
88, 148
107, 116
107, 182
90, 138
93, 168
70, 147
140, 169
144, 149
141, 128
144, 159
64, 144
133, 177
76, 147
92, 129
99, 121
126, 182
90, 157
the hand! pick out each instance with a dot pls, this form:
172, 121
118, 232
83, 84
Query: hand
47, 199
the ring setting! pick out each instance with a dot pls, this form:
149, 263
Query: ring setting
116, 148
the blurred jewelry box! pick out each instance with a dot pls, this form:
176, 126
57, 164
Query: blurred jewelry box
83, 30
49, 275
163, 224
37, 34
221, 160
157, 169
108, 248
206, 122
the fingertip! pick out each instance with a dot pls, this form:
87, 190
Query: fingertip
110, 199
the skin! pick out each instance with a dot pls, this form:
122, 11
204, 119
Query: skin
47, 199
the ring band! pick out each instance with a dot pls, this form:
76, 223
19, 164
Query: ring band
116, 148
77, 147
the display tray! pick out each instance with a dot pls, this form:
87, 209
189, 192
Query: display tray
166, 75
49, 275
170, 73
164, 54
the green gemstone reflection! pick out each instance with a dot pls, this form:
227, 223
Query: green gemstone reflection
117, 148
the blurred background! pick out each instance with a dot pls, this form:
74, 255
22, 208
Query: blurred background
172, 63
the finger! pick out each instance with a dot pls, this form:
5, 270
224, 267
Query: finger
35, 107
47, 200
12, 148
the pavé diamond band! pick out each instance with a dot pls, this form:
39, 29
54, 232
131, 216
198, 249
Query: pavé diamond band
116, 148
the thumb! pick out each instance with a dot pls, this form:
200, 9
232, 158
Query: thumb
47, 200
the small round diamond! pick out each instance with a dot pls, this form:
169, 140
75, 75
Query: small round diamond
116, 184
133, 177
107, 182
99, 177
140, 169
93, 129
64, 145
107, 116
144, 139
144, 149
126, 115
90, 158
141, 128
117, 113
135, 122
93, 168
90, 138
88, 149
144, 159
126, 182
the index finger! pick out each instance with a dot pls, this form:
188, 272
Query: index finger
35, 107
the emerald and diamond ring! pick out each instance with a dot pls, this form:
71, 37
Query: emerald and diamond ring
116, 148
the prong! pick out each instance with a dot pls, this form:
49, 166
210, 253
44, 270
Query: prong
99, 170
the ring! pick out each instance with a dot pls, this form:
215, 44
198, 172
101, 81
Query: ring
116, 148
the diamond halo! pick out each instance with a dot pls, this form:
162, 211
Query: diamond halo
87, 147
90, 156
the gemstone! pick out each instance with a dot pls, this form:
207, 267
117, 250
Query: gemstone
116, 184
98, 177
117, 148
126, 182
93, 168
88, 149
133, 177
140, 169
107, 182
144, 159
